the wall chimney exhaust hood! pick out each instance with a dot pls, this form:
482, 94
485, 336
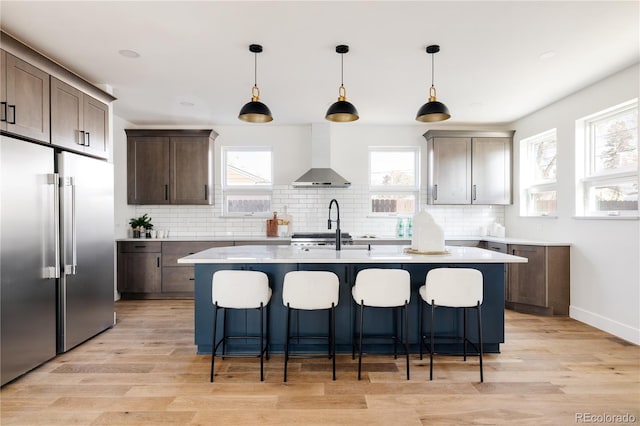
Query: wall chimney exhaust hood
321, 175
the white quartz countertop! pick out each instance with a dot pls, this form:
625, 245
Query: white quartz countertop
349, 254
357, 239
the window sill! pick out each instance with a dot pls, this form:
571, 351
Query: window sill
247, 216
607, 217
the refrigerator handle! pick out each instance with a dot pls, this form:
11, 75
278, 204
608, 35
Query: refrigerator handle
53, 179
74, 245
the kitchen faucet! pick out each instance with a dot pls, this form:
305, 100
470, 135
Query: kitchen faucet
338, 235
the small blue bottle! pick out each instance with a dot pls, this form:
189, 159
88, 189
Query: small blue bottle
400, 229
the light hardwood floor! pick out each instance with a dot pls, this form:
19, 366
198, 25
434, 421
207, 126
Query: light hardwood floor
145, 371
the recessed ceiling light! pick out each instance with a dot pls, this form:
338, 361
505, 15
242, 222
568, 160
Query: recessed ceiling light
547, 55
129, 53
186, 103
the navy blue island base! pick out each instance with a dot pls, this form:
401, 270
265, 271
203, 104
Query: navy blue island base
377, 320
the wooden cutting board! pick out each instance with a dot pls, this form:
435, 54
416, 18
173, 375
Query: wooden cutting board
272, 226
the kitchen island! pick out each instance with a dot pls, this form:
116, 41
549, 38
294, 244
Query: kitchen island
277, 260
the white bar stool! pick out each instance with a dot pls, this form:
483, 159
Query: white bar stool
383, 288
241, 290
309, 291
453, 288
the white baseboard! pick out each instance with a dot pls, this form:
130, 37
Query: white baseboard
616, 328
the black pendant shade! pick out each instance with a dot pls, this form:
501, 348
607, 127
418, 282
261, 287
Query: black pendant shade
255, 111
342, 111
433, 110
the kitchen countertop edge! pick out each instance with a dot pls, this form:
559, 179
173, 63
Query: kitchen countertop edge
356, 240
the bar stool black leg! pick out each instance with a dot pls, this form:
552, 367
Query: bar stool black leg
464, 333
353, 333
213, 340
261, 343
396, 311
360, 340
406, 336
480, 338
431, 348
286, 341
224, 332
332, 337
267, 337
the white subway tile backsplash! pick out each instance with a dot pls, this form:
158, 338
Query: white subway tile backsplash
310, 208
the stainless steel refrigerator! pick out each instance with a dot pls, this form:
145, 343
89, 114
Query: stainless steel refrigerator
56, 252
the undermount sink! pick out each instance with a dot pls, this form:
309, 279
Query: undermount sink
332, 247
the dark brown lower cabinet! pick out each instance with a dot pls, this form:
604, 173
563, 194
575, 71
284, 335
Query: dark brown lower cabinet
139, 268
178, 279
540, 286
149, 269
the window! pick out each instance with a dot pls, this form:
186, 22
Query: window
247, 181
538, 174
607, 167
393, 180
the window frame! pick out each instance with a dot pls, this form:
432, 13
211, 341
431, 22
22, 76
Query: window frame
397, 190
528, 184
245, 190
587, 178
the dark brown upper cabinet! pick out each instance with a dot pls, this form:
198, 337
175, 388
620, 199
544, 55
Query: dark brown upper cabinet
78, 121
24, 97
469, 167
170, 166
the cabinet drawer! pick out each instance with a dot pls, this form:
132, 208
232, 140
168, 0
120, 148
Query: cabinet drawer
178, 279
141, 246
499, 247
174, 250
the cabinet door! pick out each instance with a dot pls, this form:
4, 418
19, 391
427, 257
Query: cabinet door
96, 126
527, 281
148, 170
3, 90
139, 273
178, 280
27, 97
451, 171
491, 176
191, 180
66, 116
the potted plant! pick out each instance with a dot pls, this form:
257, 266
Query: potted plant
138, 224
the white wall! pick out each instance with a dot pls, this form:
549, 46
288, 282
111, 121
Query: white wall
123, 212
605, 253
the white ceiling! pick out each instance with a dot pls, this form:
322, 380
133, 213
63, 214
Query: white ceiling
489, 69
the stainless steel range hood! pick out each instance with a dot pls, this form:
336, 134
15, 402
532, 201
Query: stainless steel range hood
321, 175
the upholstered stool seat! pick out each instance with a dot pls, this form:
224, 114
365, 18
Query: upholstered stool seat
310, 291
241, 290
382, 288
453, 288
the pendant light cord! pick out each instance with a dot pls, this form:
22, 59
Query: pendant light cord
432, 68
342, 69
255, 69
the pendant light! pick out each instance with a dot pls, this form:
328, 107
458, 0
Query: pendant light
342, 111
255, 111
433, 110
